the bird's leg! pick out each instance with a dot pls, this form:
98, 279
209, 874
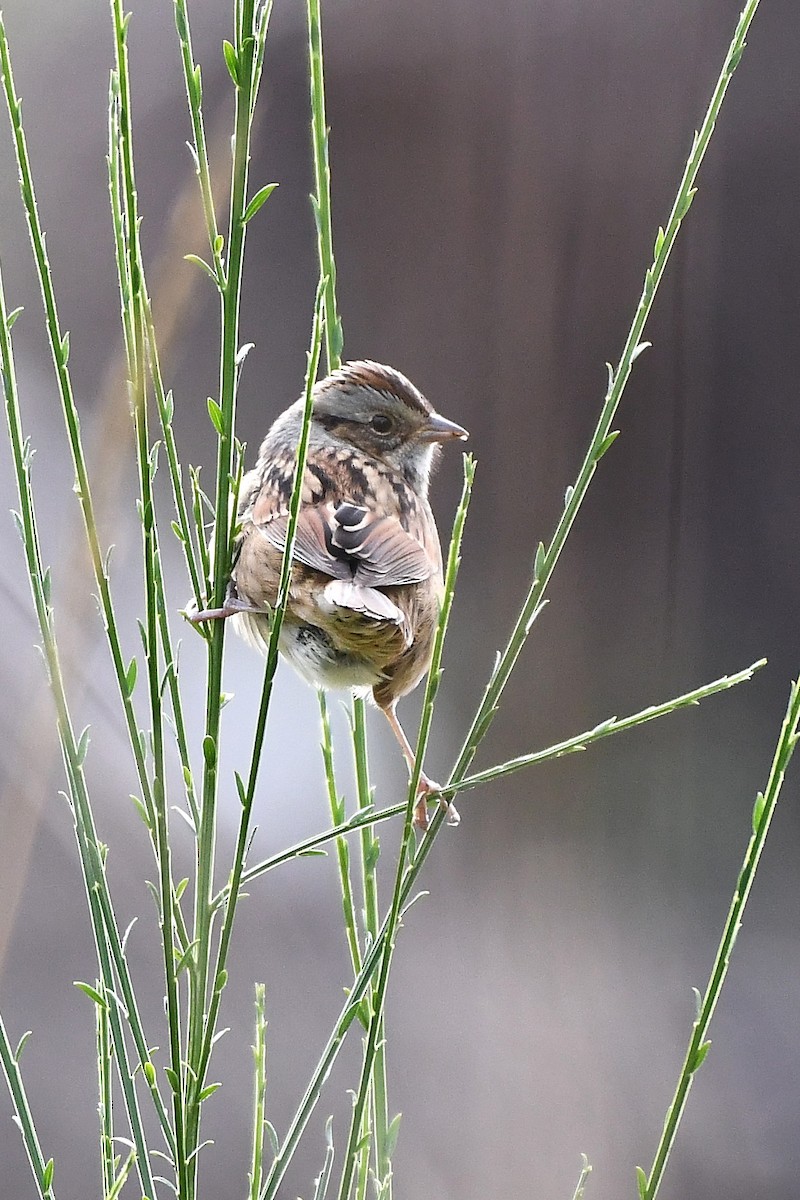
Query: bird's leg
232, 605
426, 786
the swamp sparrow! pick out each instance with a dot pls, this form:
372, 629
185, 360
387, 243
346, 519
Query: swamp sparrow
366, 580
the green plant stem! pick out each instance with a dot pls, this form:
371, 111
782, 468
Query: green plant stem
342, 848
73, 750
605, 729
763, 811
224, 515
569, 746
370, 850
247, 793
374, 1032
22, 1112
132, 282
59, 348
602, 438
580, 1187
259, 1092
194, 93
321, 201
105, 1094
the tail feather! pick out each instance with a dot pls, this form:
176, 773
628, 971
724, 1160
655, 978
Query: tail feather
343, 593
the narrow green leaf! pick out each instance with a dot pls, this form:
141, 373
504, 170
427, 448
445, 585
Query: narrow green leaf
174, 1081
180, 22
180, 888
65, 349
659, 243
201, 262
641, 1183
215, 412
219, 242
221, 980
142, 811
372, 854
47, 1175
699, 1058
272, 1138
149, 1073
186, 959
197, 84
169, 407
208, 1091
538, 562
130, 677
82, 747
312, 854
12, 317
47, 586
606, 444
758, 811
685, 203
176, 529
241, 789
231, 61
392, 1134
21, 1044
210, 751
262, 195
91, 992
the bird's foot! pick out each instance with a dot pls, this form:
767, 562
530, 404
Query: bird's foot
425, 790
232, 605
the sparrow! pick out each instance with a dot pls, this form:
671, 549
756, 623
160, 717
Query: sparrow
366, 578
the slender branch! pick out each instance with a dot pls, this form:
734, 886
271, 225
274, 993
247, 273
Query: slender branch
247, 793
605, 729
763, 811
603, 436
259, 1093
42, 1171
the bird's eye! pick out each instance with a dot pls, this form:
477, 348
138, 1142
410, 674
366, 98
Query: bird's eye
381, 423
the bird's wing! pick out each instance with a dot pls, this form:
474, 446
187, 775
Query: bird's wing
349, 541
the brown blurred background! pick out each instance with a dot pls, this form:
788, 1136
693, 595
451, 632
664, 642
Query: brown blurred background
499, 174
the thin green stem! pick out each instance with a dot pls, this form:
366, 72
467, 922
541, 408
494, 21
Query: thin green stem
59, 348
194, 94
247, 793
374, 1033
334, 338
42, 1171
337, 809
370, 850
603, 436
605, 729
132, 282
73, 749
201, 1006
571, 745
763, 811
260, 1093
105, 1094
586, 1170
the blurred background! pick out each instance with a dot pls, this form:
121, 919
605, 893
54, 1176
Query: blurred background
498, 178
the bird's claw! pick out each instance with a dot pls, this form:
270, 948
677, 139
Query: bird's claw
425, 789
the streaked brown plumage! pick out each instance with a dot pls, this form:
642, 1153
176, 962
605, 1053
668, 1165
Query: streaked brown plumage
366, 580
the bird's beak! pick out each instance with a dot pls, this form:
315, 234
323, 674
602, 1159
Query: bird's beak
439, 429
